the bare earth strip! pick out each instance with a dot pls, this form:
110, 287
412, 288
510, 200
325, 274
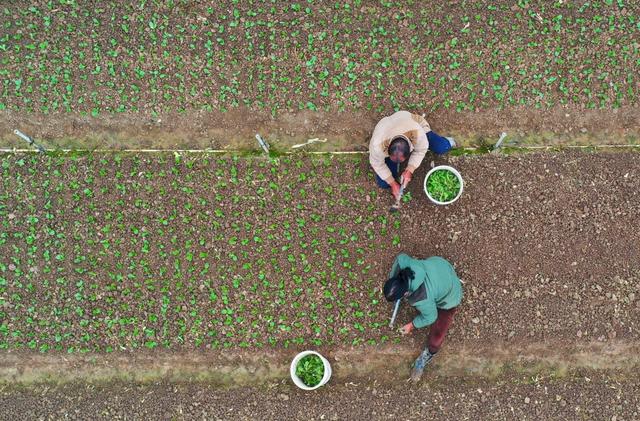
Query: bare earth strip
388, 363
343, 131
582, 394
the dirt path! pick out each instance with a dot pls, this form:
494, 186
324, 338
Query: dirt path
582, 394
389, 363
343, 131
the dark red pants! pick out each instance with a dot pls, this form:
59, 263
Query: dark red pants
439, 329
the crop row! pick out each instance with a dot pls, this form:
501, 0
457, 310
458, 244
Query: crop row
153, 56
113, 252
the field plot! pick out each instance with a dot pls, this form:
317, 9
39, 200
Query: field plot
180, 285
584, 394
133, 251
183, 74
117, 252
178, 56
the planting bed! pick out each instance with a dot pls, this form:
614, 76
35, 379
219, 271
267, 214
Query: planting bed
189, 75
178, 56
117, 252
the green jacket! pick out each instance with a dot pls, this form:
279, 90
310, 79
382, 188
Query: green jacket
434, 286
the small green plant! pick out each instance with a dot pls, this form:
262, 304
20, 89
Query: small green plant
443, 185
310, 370
185, 259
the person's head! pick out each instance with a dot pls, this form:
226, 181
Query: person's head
399, 149
398, 286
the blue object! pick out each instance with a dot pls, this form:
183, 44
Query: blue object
437, 144
395, 313
393, 166
420, 363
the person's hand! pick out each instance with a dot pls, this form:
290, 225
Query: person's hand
395, 190
407, 175
407, 329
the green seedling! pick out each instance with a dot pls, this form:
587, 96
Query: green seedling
310, 370
161, 267
443, 185
477, 58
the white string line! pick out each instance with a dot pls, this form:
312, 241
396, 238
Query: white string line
213, 151
244, 151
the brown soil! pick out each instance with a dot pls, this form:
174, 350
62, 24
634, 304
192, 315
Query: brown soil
544, 243
580, 394
344, 131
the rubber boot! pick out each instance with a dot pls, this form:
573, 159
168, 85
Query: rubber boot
420, 363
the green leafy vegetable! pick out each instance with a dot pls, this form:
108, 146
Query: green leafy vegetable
310, 370
443, 185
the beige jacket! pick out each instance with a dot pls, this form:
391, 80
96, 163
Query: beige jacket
413, 126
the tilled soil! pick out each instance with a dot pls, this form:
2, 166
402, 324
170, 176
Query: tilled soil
545, 244
583, 394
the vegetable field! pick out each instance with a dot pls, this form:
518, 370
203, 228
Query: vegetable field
120, 252
148, 282
179, 56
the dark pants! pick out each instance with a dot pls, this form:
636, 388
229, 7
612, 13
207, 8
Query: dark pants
438, 144
439, 329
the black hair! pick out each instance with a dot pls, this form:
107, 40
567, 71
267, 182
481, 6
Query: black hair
400, 144
397, 286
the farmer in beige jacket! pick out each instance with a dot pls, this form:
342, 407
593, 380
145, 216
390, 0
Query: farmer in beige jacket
398, 137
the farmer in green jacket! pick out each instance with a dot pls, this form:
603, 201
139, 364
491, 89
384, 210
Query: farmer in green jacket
433, 288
